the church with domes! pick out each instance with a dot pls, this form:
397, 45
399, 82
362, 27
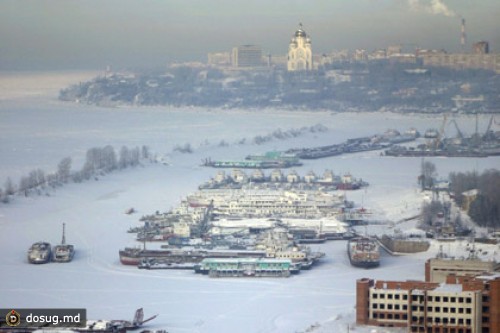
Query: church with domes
299, 52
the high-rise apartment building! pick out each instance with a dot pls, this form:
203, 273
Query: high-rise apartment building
247, 56
481, 47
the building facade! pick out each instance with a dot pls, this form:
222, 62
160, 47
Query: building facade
437, 269
486, 61
460, 305
247, 56
299, 52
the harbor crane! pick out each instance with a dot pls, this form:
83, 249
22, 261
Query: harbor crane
459, 132
436, 143
488, 134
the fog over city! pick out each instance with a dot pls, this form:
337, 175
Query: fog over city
91, 34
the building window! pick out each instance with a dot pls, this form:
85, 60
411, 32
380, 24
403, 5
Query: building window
382, 296
389, 296
453, 310
468, 321
374, 305
437, 309
430, 298
445, 310
468, 310
460, 300
453, 299
445, 299
396, 296
405, 307
468, 300
382, 306
460, 310
396, 307
389, 306
405, 297
375, 296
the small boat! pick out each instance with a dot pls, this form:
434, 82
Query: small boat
63, 252
39, 253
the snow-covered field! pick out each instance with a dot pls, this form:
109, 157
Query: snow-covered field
38, 132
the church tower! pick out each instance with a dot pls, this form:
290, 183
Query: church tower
299, 52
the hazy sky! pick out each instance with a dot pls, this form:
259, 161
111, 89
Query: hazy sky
90, 34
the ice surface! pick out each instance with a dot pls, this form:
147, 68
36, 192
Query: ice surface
38, 135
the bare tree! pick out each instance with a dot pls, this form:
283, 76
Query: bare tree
24, 185
109, 158
428, 173
145, 152
64, 169
9, 187
123, 161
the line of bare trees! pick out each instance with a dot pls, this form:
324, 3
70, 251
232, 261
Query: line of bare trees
98, 161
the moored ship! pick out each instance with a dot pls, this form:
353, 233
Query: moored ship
63, 252
246, 267
363, 252
39, 253
172, 258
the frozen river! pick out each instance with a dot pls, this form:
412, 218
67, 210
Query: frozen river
39, 134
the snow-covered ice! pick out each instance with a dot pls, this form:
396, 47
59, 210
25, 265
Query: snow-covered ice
39, 135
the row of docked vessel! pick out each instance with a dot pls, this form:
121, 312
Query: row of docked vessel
374, 142
42, 252
271, 246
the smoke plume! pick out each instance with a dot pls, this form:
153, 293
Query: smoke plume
434, 7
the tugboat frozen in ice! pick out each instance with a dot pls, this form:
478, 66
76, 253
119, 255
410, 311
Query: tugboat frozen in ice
363, 252
63, 252
39, 253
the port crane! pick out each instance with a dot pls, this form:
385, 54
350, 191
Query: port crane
459, 132
488, 134
436, 143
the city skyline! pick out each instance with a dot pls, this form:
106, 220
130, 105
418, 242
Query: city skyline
52, 34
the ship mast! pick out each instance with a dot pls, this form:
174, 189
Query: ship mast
64, 234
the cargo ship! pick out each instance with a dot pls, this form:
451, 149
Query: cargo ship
363, 252
39, 253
